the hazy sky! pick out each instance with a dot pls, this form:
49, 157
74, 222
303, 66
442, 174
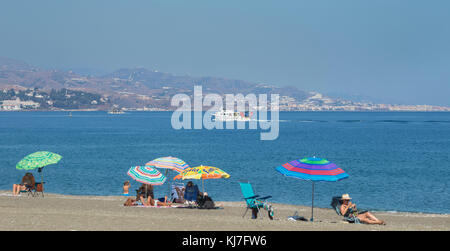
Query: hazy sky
398, 50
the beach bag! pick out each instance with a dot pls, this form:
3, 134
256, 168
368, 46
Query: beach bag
206, 203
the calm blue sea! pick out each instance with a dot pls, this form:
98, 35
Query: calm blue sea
396, 161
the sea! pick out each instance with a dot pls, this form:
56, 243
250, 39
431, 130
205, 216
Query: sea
396, 161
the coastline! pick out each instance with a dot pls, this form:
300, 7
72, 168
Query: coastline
315, 111
73, 212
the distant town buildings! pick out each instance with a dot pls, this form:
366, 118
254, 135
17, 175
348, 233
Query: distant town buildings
69, 99
318, 102
17, 105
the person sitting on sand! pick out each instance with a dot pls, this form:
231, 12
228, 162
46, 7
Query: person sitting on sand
28, 182
126, 187
146, 190
178, 194
348, 209
191, 193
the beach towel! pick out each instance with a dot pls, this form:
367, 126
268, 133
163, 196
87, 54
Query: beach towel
296, 217
171, 206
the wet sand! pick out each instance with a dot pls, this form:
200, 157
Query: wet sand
71, 213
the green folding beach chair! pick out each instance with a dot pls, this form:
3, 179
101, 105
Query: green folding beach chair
254, 202
29, 191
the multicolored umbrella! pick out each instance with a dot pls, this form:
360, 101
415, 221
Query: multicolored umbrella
169, 163
147, 175
172, 163
203, 173
314, 169
38, 160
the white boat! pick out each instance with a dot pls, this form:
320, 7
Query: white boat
116, 111
229, 115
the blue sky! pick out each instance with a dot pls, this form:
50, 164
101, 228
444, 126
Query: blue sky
395, 50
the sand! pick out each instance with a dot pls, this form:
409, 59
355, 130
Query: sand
72, 213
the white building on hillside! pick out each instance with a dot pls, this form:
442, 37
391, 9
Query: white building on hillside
17, 105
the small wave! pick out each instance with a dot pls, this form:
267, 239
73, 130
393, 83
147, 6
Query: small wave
266, 120
350, 121
311, 121
392, 121
436, 121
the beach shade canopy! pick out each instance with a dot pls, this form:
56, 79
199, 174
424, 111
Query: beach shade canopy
38, 160
146, 175
313, 169
172, 163
203, 173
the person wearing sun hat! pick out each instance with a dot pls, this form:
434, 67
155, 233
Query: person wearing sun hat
349, 209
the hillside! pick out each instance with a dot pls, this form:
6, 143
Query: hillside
133, 88
140, 88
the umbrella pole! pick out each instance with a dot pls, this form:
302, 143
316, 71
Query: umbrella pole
203, 188
42, 177
312, 204
169, 190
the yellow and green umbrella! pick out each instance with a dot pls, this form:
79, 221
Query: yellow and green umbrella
203, 173
38, 160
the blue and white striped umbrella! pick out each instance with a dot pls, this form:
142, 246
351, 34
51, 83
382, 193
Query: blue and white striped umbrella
147, 175
173, 163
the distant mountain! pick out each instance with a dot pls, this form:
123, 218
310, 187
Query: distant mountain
140, 88
137, 87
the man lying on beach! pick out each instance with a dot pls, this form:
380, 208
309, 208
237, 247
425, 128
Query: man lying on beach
349, 209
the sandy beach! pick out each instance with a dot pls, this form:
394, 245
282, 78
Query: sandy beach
72, 213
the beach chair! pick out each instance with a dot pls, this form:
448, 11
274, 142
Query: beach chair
29, 190
175, 194
254, 202
336, 203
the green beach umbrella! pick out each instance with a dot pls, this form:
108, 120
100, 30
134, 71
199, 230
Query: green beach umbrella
38, 160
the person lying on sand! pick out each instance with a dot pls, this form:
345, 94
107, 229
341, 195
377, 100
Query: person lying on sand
27, 182
149, 201
348, 208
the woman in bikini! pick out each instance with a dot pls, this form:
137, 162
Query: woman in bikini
27, 182
348, 208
